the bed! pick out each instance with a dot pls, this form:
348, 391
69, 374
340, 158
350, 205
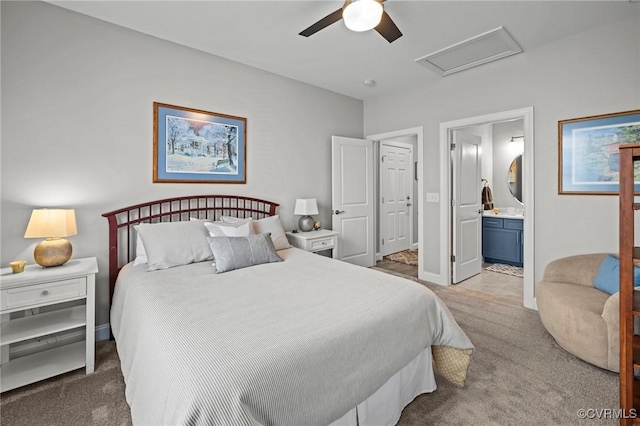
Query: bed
293, 339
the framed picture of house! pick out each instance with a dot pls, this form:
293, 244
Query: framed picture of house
588, 152
194, 146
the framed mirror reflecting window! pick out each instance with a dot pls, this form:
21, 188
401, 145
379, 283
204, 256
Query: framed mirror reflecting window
514, 178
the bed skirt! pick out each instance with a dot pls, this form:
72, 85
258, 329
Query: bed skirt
385, 406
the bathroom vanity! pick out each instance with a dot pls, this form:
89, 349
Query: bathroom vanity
502, 239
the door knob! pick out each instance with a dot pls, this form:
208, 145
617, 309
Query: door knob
408, 204
337, 211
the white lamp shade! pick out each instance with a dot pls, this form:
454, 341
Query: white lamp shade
362, 15
306, 206
51, 223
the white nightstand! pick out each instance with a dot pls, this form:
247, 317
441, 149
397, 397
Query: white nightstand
315, 241
38, 287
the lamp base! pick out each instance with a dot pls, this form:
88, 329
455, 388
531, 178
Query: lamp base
305, 223
52, 252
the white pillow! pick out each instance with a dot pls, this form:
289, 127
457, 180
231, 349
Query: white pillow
169, 244
233, 219
272, 225
220, 229
237, 221
201, 220
141, 254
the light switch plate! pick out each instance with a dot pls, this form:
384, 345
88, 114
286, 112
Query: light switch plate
433, 197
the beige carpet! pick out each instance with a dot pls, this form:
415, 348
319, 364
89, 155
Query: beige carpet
410, 257
72, 399
518, 375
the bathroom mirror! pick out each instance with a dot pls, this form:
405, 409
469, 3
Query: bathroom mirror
514, 178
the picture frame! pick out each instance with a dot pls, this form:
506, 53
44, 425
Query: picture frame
588, 152
195, 146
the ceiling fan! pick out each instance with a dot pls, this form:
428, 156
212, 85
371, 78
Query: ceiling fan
360, 15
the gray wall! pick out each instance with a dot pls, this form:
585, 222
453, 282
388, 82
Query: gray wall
77, 115
504, 153
592, 73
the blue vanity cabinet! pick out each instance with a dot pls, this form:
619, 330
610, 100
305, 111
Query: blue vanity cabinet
502, 240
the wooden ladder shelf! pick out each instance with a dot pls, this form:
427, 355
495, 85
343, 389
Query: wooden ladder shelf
629, 298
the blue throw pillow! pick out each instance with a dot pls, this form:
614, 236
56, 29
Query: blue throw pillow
608, 277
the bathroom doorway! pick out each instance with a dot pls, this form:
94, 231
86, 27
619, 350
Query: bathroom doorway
500, 272
481, 125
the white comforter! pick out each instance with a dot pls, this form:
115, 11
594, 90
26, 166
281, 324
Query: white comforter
298, 342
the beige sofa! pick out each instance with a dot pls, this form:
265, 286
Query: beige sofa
582, 319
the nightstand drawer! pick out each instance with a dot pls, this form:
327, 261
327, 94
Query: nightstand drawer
43, 293
322, 244
315, 241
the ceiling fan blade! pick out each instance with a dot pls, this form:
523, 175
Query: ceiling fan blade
388, 29
332, 18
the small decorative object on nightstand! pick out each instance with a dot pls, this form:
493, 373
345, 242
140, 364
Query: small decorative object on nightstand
17, 266
54, 225
306, 207
323, 239
39, 287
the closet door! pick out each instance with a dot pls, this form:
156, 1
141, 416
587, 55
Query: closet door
352, 201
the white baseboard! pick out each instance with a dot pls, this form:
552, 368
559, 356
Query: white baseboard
103, 332
431, 277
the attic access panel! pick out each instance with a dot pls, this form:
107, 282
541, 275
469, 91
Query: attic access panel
488, 47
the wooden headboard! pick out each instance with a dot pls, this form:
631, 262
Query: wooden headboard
121, 221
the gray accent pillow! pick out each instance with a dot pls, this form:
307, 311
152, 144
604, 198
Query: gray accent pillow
241, 252
170, 244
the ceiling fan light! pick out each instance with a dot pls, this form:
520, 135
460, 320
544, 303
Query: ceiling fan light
362, 15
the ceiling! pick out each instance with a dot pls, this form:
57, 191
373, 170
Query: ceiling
264, 34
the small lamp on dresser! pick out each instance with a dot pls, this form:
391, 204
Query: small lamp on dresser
53, 225
306, 207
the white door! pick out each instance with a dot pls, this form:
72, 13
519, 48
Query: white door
467, 206
396, 176
352, 199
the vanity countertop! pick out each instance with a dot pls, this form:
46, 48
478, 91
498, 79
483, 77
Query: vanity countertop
489, 213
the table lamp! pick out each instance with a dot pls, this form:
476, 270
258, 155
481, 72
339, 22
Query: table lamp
53, 225
306, 207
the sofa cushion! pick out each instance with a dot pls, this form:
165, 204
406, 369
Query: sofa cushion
572, 314
580, 269
608, 277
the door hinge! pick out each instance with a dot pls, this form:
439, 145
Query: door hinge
453, 257
453, 202
383, 241
453, 146
382, 200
